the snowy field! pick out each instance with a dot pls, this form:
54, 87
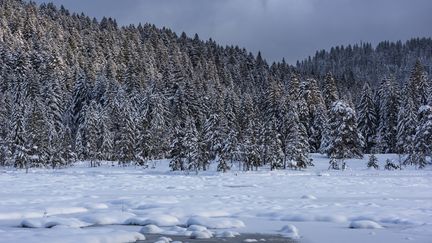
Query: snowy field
115, 204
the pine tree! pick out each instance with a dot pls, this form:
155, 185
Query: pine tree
407, 123
18, 139
190, 143
330, 91
317, 114
177, 151
389, 165
423, 139
344, 138
94, 134
367, 118
389, 98
373, 162
213, 136
250, 148
127, 143
334, 163
79, 100
297, 152
419, 85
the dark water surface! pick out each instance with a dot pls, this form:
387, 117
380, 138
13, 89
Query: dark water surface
150, 238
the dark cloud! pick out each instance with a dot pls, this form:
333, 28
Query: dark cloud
292, 29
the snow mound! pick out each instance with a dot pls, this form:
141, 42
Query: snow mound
107, 218
95, 205
196, 228
176, 230
365, 224
65, 210
228, 234
290, 231
53, 221
88, 235
163, 240
162, 220
151, 229
216, 223
310, 197
201, 234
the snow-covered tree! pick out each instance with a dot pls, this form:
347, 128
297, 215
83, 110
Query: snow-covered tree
297, 147
389, 100
367, 118
330, 91
373, 162
407, 124
423, 138
344, 138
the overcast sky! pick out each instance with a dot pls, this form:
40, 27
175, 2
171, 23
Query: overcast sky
293, 29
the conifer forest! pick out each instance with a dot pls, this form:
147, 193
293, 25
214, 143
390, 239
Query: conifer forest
73, 88
131, 128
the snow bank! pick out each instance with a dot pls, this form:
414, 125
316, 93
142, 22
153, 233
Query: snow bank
106, 218
95, 205
25, 214
201, 234
365, 224
162, 220
50, 222
151, 229
227, 234
88, 235
216, 223
163, 240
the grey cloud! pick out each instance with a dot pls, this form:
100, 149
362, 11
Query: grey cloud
292, 29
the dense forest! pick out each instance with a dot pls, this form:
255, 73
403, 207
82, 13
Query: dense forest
75, 88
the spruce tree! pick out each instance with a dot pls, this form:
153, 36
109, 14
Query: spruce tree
419, 85
373, 162
344, 137
297, 148
367, 118
330, 91
423, 139
389, 98
407, 123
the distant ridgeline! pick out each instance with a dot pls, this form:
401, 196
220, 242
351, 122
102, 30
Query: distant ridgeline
73, 88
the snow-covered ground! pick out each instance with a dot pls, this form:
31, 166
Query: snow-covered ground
112, 204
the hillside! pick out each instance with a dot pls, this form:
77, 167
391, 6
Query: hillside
75, 88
